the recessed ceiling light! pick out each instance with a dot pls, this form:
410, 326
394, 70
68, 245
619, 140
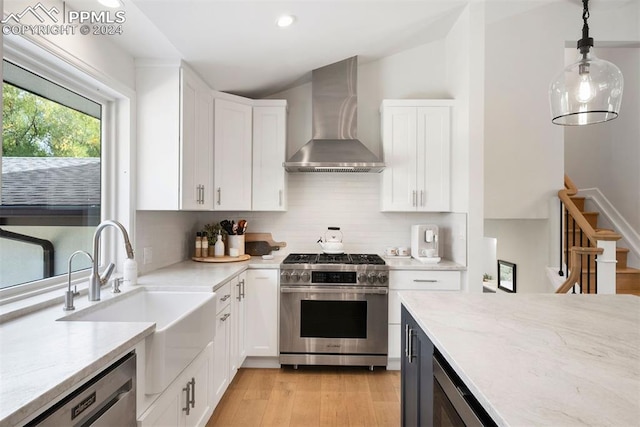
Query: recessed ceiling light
110, 3
285, 21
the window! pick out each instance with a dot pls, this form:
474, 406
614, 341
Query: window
51, 188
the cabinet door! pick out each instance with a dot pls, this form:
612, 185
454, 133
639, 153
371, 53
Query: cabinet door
221, 348
232, 156
417, 374
201, 394
240, 319
261, 305
434, 159
399, 141
157, 145
237, 352
164, 412
196, 148
269, 151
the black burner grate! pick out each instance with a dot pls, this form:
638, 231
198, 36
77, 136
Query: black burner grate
358, 259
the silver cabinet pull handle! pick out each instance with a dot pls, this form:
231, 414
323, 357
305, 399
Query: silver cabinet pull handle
193, 392
188, 401
226, 297
219, 195
410, 356
202, 198
225, 317
242, 282
406, 340
425, 280
421, 197
413, 198
239, 297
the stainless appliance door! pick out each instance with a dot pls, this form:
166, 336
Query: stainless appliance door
108, 399
451, 406
333, 320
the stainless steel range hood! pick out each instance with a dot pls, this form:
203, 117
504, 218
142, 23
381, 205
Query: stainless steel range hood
334, 147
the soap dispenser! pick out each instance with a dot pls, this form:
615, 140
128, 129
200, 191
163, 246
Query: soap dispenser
218, 247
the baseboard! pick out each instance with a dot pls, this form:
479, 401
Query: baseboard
393, 364
261, 362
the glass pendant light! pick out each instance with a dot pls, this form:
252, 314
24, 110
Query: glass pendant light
587, 91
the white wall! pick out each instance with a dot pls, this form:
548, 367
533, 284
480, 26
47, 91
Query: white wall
465, 78
524, 153
607, 156
524, 243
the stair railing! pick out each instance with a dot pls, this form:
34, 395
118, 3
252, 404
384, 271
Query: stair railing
576, 268
585, 237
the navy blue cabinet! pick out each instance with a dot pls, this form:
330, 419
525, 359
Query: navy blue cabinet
417, 374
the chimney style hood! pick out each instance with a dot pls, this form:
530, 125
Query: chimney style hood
334, 147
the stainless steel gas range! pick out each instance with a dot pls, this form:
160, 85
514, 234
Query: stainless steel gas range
333, 310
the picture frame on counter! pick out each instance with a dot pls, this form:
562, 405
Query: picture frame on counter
506, 276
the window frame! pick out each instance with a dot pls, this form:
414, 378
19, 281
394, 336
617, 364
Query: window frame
63, 72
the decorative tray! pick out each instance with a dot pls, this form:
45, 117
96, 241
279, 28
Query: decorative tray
225, 258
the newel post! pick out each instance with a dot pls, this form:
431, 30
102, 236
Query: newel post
607, 267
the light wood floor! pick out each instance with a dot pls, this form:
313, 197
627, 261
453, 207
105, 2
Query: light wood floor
310, 396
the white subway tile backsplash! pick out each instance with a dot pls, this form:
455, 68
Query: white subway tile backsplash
315, 202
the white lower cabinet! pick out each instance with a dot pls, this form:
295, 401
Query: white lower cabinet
261, 313
413, 280
188, 400
222, 343
238, 351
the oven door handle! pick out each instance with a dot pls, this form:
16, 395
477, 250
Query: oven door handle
360, 291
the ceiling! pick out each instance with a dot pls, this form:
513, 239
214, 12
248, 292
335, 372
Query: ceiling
236, 46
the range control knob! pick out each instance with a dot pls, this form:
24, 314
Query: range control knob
382, 278
372, 278
285, 276
295, 276
362, 277
305, 276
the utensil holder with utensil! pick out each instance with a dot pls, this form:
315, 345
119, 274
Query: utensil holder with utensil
236, 242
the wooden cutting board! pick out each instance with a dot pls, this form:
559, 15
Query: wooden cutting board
263, 237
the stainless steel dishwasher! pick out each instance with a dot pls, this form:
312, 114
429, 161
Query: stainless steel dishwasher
108, 399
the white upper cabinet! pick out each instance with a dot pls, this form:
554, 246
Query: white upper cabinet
416, 140
269, 151
175, 125
232, 155
196, 187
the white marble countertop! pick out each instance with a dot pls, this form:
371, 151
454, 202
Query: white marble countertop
403, 263
540, 359
204, 275
41, 358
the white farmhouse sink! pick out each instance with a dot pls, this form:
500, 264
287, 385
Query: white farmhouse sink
185, 324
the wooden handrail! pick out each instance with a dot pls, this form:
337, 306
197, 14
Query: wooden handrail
575, 271
593, 235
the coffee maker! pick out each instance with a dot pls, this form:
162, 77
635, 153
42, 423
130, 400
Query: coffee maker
424, 243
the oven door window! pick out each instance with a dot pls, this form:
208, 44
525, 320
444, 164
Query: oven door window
333, 319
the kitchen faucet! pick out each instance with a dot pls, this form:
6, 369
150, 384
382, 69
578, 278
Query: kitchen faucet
68, 296
95, 280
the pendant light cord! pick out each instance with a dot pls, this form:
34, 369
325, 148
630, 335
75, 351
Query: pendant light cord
586, 42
